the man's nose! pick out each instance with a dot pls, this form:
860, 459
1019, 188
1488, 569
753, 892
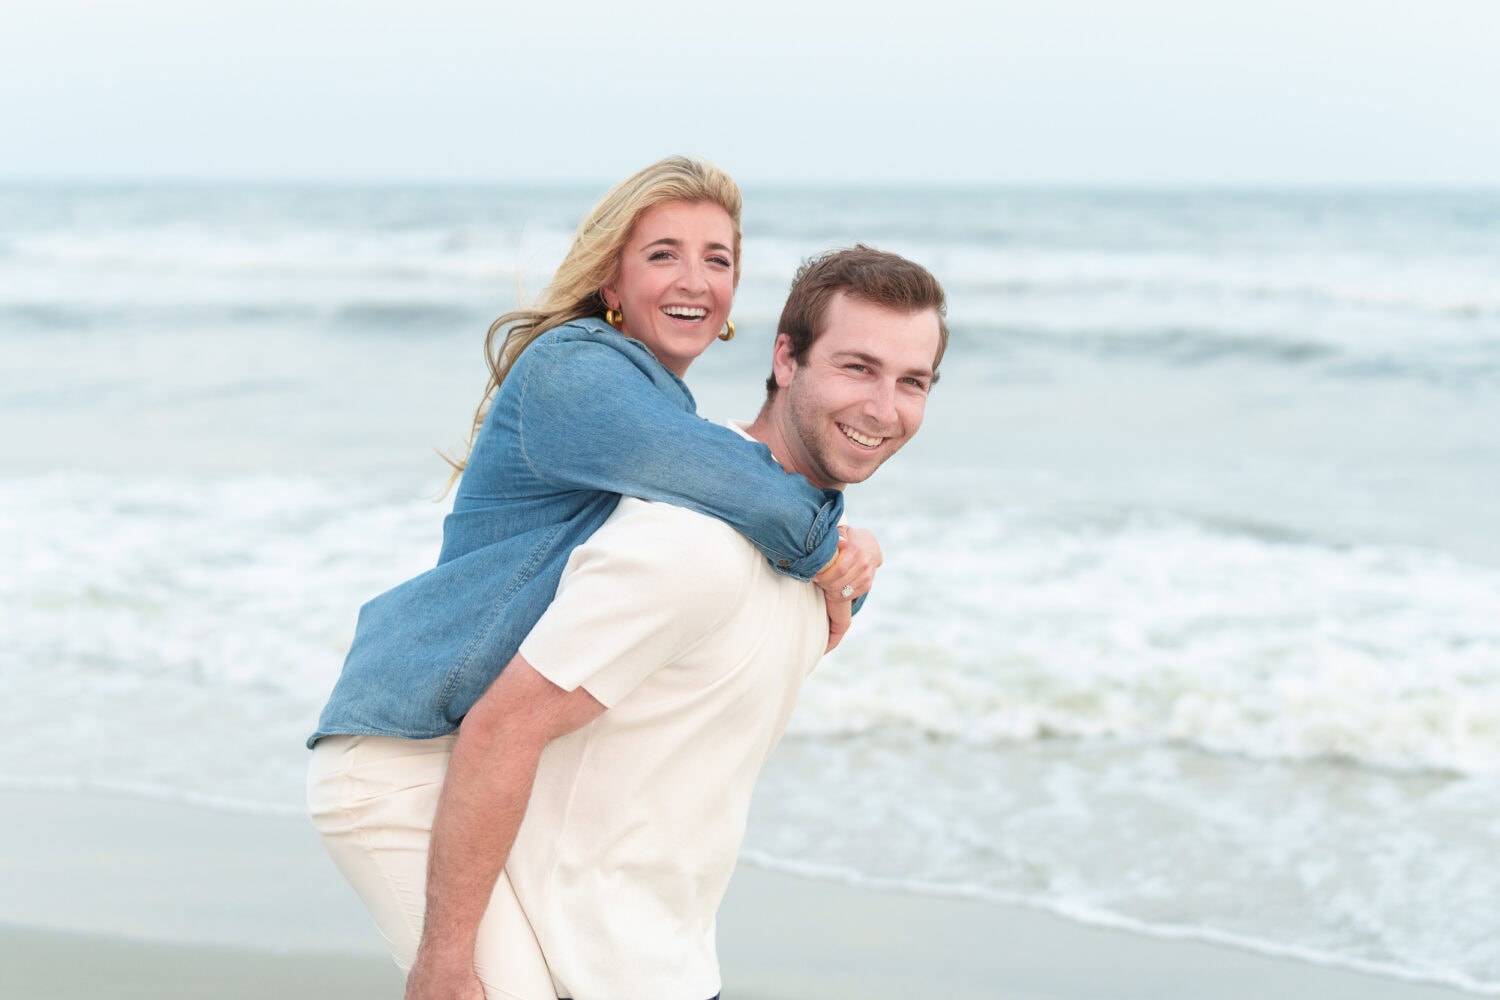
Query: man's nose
880, 404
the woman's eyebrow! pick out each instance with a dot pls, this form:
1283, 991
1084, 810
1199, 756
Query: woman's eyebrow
674, 242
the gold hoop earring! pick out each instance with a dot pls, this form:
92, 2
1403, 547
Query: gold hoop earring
614, 318
728, 333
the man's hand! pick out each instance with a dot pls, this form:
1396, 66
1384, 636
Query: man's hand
853, 566
850, 574
443, 978
840, 613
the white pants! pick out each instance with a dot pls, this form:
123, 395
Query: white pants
372, 800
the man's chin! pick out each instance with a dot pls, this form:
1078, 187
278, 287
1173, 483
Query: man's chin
858, 472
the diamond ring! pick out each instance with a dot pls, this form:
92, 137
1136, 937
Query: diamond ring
847, 592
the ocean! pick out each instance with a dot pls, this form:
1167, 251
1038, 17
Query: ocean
1190, 619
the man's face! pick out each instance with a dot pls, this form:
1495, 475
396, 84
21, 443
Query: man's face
860, 394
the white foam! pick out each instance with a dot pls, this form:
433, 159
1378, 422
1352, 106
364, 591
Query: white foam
1162, 629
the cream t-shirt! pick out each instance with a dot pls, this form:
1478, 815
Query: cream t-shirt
698, 649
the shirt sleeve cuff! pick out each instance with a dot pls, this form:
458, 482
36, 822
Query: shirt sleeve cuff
822, 540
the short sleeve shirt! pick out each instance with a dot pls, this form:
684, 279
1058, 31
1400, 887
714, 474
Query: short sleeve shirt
698, 649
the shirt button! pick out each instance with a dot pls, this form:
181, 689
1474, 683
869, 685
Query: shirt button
784, 563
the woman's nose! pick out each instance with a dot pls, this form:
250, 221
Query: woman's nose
693, 276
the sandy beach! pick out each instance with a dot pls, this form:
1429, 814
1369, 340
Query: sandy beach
115, 896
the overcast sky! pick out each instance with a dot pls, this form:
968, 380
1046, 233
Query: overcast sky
854, 91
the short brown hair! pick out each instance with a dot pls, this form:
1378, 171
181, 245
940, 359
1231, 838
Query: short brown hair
861, 272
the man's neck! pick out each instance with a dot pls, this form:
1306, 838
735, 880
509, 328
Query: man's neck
761, 430
772, 428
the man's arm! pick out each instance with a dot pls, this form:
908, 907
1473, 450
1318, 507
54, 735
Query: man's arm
483, 800
626, 605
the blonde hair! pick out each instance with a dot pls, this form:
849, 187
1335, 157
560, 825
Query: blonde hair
593, 261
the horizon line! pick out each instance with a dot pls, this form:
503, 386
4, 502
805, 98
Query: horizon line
934, 184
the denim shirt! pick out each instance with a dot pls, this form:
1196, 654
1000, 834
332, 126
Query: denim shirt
584, 415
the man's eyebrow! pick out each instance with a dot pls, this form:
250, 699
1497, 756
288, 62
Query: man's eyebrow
873, 362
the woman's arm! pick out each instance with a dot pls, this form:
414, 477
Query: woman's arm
591, 415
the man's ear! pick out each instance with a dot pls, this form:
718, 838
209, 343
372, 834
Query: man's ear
783, 365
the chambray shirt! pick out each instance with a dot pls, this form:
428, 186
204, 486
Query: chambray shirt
584, 415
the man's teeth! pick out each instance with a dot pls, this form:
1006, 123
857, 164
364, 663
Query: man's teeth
685, 312
858, 438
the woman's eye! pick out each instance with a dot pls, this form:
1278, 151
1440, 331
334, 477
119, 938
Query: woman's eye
721, 261
661, 255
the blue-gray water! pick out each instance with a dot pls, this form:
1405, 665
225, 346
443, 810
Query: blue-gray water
1191, 615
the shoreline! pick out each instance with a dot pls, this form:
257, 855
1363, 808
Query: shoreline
110, 895
1113, 924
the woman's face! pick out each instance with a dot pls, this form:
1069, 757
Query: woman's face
676, 280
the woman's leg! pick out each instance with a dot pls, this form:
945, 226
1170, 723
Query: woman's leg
372, 800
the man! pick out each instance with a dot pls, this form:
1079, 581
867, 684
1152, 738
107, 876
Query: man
629, 731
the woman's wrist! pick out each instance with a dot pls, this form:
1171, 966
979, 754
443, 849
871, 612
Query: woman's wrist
832, 564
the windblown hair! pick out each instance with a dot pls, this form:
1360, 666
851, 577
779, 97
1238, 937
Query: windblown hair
864, 273
593, 261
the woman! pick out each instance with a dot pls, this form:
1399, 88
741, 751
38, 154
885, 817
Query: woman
585, 402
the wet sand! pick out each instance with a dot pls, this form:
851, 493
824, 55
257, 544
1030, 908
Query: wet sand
106, 896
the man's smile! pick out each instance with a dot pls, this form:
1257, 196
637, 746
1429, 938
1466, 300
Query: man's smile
864, 440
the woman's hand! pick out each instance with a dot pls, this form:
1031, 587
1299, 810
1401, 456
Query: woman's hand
850, 574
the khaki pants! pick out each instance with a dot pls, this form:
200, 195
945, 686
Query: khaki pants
372, 800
